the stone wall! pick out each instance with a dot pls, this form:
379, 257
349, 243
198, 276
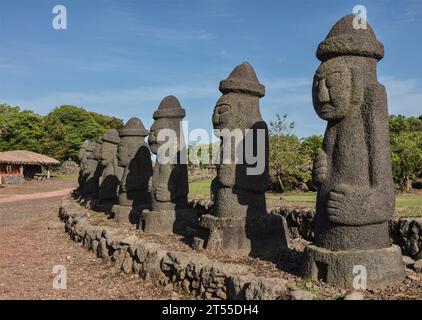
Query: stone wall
14, 179
184, 272
405, 232
67, 167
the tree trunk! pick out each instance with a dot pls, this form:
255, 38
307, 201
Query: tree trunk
280, 182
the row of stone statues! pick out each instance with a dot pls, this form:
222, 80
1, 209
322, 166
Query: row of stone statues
353, 171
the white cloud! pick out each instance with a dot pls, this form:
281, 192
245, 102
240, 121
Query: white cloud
404, 95
116, 102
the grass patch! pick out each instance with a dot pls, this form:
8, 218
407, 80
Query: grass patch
407, 205
65, 177
200, 189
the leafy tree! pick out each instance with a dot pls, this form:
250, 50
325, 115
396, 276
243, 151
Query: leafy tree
289, 164
59, 134
68, 126
21, 130
311, 145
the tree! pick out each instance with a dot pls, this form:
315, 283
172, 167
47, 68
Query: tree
311, 145
406, 147
289, 164
68, 126
406, 158
21, 130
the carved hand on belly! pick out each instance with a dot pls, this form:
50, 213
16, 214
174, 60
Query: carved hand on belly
355, 206
162, 194
319, 171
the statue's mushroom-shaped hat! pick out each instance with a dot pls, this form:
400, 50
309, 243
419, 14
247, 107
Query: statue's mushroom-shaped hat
111, 136
243, 79
169, 108
134, 127
345, 39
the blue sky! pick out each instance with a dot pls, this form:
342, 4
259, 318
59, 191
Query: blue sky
121, 57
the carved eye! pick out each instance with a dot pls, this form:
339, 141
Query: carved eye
223, 108
332, 79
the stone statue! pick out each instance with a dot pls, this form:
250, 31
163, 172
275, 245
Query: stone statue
240, 213
134, 156
169, 182
98, 170
82, 156
112, 173
353, 171
90, 165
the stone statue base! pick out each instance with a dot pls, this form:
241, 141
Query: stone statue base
226, 235
266, 235
168, 222
127, 214
103, 205
384, 267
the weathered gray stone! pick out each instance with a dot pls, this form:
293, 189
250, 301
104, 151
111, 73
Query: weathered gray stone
134, 156
266, 289
112, 173
408, 261
169, 183
418, 266
353, 171
88, 166
238, 223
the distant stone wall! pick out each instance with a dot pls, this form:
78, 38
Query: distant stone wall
405, 232
184, 272
67, 167
14, 179
197, 174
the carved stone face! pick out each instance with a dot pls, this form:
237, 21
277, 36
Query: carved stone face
127, 149
225, 111
124, 154
332, 90
158, 124
108, 151
97, 151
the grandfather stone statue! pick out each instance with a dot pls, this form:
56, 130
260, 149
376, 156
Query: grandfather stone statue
99, 168
240, 222
169, 182
134, 156
112, 173
353, 171
82, 156
90, 165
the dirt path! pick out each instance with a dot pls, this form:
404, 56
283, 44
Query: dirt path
35, 196
33, 242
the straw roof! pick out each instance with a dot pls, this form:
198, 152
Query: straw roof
26, 157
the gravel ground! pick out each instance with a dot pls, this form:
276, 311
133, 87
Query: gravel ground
33, 242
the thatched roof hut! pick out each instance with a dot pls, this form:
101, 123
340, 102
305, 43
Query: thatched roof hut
17, 165
23, 157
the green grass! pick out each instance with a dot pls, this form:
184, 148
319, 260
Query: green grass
407, 205
200, 189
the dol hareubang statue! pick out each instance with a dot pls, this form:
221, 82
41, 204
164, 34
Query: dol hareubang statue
240, 224
134, 156
112, 172
353, 171
169, 183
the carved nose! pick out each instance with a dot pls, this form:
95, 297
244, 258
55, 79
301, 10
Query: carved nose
323, 94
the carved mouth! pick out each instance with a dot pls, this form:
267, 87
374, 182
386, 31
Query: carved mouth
325, 108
